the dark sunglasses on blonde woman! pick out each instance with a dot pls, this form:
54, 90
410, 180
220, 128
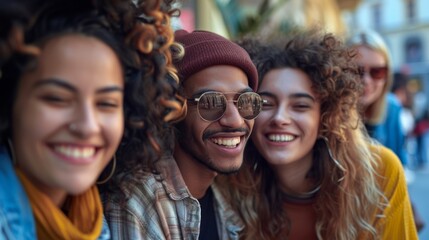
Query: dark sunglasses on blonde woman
211, 106
376, 73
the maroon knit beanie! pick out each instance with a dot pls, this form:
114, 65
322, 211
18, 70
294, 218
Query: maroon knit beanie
205, 49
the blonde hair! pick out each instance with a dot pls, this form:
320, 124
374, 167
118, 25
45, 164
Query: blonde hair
372, 40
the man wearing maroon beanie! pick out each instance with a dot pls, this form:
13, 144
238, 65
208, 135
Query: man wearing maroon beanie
178, 200
214, 73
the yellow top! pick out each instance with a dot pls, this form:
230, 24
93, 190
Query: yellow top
398, 221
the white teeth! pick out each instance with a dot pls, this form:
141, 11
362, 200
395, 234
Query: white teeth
281, 137
228, 142
75, 152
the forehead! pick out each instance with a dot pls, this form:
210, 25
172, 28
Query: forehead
76, 51
220, 78
285, 80
77, 59
370, 57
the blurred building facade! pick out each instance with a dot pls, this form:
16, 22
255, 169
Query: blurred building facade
404, 24
234, 18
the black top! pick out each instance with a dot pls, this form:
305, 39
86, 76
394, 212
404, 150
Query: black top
208, 226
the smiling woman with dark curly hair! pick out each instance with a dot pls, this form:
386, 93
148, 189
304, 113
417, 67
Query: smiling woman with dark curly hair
310, 170
78, 80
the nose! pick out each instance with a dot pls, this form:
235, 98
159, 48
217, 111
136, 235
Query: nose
85, 122
232, 117
366, 78
281, 117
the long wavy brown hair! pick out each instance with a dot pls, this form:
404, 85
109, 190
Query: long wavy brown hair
349, 198
140, 34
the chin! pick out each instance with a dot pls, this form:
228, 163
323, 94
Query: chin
79, 187
229, 169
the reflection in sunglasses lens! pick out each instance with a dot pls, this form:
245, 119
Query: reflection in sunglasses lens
212, 105
249, 105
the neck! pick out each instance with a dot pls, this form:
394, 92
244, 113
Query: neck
293, 177
58, 197
302, 195
198, 178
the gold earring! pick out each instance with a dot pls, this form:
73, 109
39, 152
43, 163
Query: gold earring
12, 151
111, 172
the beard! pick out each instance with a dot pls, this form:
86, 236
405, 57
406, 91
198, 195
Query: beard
205, 159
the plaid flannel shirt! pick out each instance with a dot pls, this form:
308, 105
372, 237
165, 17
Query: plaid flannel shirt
160, 206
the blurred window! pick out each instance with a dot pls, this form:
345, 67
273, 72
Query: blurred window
413, 50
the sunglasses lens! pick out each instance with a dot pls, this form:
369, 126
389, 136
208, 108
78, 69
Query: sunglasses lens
212, 106
378, 72
249, 105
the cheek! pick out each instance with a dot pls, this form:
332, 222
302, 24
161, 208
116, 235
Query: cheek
250, 124
193, 126
262, 118
380, 85
114, 128
309, 122
313, 126
35, 121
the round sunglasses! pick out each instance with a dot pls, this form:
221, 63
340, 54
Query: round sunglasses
211, 106
376, 73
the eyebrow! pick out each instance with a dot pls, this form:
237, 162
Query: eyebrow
204, 90
71, 88
293, 95
302, 95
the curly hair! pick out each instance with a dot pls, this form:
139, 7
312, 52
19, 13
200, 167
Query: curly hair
349, 182
140, 34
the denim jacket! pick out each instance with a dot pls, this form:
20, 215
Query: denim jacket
390, 132
16, 216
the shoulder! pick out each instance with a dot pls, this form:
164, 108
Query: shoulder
393, 100
16, 215
135, 191
393, 104
389, 163
389, 171
397, 215
131, 211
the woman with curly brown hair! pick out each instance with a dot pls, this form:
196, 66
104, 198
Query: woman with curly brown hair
75, 76
309, 171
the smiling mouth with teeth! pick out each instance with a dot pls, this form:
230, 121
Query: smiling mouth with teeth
281, 137
227, 142
75, 152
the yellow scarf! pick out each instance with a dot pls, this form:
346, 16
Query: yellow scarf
84, 220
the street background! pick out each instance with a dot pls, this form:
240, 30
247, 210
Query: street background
419, 193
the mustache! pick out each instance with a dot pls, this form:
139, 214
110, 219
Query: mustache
209, 133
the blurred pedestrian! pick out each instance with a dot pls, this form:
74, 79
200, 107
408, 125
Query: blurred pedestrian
381, 110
